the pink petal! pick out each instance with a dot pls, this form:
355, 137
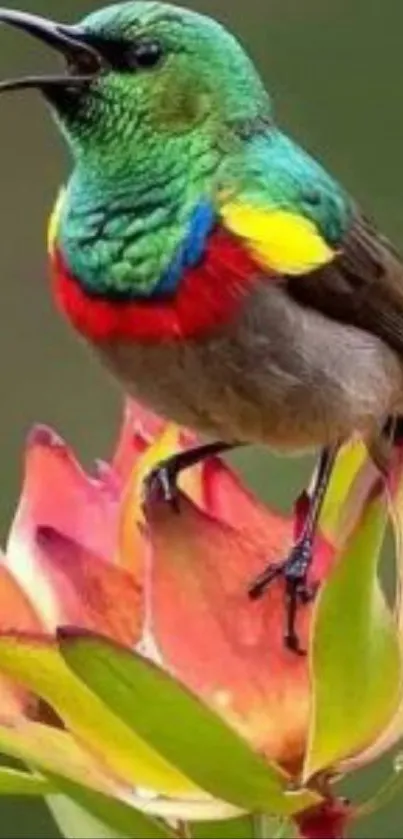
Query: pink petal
228, 500
140, 429
90, 593
223, 647
57, 493
134, 437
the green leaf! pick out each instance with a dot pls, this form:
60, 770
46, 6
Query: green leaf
14, 782
355, 656
353, 476
115, 815
75, 823
37, 664
177, 725
230, 829
252, 827
55, 753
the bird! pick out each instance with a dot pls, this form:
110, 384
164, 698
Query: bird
224, 277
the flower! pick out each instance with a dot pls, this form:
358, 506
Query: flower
139, 582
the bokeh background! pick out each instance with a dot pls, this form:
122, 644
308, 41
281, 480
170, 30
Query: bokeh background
335, 69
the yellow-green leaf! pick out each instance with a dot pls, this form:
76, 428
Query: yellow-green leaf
179, 727
13, 782
354, 473
355, 656
38, 665
394, 731
231, 829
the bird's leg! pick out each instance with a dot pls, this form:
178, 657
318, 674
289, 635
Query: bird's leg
294, 570
163, 480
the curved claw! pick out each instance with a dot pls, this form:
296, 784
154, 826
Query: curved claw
293, 644
295, 596
264, 581
161, 485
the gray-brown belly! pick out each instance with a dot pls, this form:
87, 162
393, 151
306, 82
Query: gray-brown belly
281, 374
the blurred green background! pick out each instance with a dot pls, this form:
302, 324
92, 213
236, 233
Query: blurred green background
335, 69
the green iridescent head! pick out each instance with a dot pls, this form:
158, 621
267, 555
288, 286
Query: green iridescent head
152, 67
154, 99
173, 72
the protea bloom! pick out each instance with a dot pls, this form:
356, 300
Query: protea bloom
88, 712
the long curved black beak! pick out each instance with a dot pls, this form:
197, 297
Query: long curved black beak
84, 62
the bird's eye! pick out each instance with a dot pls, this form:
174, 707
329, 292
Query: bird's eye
146, 54
128, 56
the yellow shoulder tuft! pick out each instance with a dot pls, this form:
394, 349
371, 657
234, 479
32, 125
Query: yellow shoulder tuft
278, 239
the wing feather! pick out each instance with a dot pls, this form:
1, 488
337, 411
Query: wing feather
363, 286
358, 282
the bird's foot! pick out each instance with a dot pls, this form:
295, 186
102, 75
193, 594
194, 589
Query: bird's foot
161, 484
298, 592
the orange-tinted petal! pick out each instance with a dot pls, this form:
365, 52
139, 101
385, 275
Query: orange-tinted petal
16, 615
14, 701
225, 648
90, 593
132, 543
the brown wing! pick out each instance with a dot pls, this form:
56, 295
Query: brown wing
363, 286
